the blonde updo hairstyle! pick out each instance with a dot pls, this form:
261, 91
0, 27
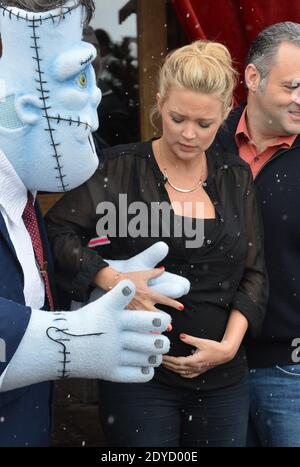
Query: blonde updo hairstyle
203, 66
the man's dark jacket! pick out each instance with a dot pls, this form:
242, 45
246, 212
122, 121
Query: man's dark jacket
278, 185
25, 414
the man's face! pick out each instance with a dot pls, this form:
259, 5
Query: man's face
278, 101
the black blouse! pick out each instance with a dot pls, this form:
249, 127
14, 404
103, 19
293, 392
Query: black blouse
226, 272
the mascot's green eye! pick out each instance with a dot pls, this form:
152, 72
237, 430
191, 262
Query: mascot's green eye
82, 80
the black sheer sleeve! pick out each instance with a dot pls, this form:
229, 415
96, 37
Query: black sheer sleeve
252, 294
71, 223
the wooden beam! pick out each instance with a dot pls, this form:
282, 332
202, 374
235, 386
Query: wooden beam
152, 46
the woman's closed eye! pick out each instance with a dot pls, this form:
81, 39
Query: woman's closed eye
177, 119
180, 120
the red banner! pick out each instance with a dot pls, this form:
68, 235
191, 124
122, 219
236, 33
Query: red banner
235, 23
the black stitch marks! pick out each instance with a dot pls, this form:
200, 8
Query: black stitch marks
70, 121
64, 373
35, 18
88, 60
34, 26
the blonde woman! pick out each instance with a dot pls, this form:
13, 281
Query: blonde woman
199, 396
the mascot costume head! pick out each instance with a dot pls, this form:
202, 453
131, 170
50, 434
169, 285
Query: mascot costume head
48, 111
48, 94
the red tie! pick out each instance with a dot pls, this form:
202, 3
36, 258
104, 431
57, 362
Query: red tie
30, 221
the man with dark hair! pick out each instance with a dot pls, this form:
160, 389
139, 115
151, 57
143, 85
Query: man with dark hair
265, 133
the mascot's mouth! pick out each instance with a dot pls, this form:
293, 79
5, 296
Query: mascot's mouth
77, 122
83, 128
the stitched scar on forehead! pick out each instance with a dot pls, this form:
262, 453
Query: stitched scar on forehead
15, 13
73, 61
88, 60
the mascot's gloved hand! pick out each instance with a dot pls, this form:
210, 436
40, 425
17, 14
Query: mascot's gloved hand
168, 284
100, 340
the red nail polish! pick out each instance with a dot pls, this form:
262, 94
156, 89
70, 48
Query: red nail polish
181, 307
162, 268
182, 336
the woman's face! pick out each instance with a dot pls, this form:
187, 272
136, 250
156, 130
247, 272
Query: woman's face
190, 121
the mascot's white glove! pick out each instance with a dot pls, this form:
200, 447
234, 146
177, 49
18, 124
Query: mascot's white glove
168, 284
100, 340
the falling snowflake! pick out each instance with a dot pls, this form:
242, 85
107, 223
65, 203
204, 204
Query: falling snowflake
111, 420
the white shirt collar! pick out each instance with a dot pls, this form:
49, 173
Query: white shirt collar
13, 193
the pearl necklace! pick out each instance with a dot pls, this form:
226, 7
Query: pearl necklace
182, 190
176, 188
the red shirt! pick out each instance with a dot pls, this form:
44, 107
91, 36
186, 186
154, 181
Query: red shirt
248, 151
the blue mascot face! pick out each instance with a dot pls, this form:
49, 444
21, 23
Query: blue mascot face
49, 97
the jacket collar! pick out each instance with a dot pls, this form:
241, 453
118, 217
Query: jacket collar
225, 136
5, 235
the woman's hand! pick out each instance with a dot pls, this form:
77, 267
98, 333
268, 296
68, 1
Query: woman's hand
208, 354
145, 298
